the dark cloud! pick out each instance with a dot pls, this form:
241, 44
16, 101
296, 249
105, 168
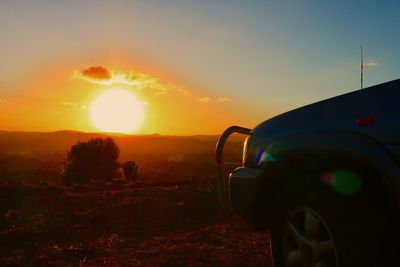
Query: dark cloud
97, 73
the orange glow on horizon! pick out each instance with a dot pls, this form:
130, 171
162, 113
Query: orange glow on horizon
62, 98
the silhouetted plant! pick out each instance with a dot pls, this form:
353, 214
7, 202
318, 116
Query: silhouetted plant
130, 170
120, 174
92, 160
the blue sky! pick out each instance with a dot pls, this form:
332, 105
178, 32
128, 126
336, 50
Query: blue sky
267, 56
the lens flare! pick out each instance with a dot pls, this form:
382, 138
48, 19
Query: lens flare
343, 181
264, 157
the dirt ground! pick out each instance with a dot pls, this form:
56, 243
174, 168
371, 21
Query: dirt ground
124, 224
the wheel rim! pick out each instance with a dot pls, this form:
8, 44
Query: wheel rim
307, 240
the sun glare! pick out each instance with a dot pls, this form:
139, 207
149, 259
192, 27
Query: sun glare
116, 110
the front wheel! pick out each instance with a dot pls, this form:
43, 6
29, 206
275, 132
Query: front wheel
316, 227
306, 240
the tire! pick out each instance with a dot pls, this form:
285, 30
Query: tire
317, 226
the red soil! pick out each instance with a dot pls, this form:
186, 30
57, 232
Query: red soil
124, 224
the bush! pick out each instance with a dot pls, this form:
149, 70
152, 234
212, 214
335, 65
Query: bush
95, 159
130, 170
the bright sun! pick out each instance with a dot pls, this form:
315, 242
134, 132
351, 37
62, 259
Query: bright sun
116, 110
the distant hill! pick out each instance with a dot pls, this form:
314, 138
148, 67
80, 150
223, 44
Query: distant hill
36, 156
39, 143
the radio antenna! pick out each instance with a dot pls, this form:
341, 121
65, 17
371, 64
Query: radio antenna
362, 67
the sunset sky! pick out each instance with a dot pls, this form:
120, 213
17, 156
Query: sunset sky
193, 67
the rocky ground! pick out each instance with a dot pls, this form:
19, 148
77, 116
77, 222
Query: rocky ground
124, 224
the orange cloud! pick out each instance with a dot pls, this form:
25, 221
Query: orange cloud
96, 73
371, 63
207, 99
104, 76
204, 99
73, 105
223, 99
138, 80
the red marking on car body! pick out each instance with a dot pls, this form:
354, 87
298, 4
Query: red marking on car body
365, 121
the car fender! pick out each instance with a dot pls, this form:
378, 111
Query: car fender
307, 151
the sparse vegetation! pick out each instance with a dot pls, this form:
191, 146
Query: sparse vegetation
134, 224
168, 218
96, 159
130, 170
